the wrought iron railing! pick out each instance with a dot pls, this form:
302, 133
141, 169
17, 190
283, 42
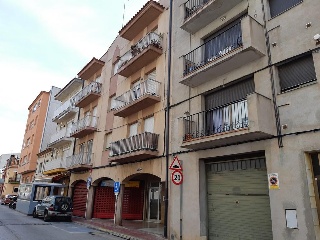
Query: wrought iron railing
66, 107
148, 86
63, 133
222, 119
86, 122
213, 49
151, 38
142, 141
192, 6
94, 87
84, 158
55, 164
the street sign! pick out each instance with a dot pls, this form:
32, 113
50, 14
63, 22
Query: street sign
116, 188
176, 164
177, 177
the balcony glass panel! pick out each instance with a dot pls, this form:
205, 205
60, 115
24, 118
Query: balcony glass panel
233, 116
55, 164
151, 39
142, 141
63, 133
66, 107
216, 48
148, 86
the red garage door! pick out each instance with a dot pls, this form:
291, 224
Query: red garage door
80, 199
133, 203
104, 202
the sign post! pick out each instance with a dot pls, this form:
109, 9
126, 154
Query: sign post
116, 189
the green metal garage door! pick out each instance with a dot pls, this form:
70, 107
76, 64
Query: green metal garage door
238, 200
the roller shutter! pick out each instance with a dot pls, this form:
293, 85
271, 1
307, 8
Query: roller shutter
104, 202
238, 200
133, 203
80, 199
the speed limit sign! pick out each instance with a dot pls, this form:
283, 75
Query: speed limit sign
177, 177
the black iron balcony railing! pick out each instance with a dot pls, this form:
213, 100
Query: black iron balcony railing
14, 180
192, 6
233, 116
213, 49
142, 141
151, 39
84, 158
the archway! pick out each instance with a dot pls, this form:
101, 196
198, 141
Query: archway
104, 198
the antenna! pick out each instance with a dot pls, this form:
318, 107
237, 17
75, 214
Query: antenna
124, 9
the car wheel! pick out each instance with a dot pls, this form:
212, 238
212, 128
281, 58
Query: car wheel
34, 214
14, 206
46, 218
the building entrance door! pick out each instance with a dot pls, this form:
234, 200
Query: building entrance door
154, 203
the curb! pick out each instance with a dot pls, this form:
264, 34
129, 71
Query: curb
113, 233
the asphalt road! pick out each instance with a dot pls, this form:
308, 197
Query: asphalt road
17, 226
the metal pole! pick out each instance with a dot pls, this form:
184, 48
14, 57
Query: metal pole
167, 122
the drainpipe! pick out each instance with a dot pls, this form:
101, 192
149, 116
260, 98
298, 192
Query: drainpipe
274, 99
167, 122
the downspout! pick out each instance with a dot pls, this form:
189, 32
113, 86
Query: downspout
274, 100
167, 124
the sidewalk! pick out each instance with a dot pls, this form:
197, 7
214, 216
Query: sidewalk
133, 230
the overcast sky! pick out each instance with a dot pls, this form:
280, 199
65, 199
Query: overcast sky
45, 43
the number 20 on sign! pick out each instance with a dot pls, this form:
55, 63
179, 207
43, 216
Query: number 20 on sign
177, 177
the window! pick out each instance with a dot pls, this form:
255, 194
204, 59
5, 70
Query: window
28, 141
149, 124
98, 79
279, 6
107, 141
116, 67
112, 103
133, 129
295, 73
31, 124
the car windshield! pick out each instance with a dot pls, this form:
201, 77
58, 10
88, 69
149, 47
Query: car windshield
63, 199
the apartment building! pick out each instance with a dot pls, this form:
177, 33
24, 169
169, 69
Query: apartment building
10, 176
245, 123
124, 121
39, 128
52, 162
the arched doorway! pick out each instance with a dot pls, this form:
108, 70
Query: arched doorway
142, 197
104, 199
80, 192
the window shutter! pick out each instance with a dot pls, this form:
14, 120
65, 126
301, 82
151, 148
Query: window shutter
280, 6
296, 73
149, 124
229, 94
133, 129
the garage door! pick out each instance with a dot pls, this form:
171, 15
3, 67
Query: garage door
104, 202
238, 200
80, 199
133, 203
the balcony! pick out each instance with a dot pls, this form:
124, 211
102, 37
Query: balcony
239, 45
144, 52
149, 13
65, 111
55, 166
80, 162
199, 13
134, 148
83, 127
246, 120
87, 95
140, 97
14, 180
61, 137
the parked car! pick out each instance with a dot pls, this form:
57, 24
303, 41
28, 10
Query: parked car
53, 207
7, 199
